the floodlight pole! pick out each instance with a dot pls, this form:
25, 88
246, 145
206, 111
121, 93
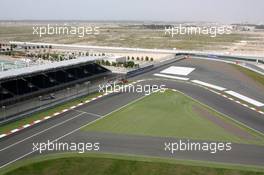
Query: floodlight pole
88, 86
4, 111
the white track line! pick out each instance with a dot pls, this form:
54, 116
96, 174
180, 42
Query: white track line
223, 95
14, 130
37, 121
2, 135
26, 126
58, 113
238, 102
241, 123
208, 85
175, 70
92, 114
65, 110
244, 98
58, 124
134, 101
47, 117
171, 77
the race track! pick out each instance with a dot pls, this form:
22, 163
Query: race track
66, 127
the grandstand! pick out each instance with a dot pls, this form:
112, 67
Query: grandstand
24, 83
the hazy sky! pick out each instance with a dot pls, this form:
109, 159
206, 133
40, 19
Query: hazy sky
167, 10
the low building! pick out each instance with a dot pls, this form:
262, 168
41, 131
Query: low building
117, 59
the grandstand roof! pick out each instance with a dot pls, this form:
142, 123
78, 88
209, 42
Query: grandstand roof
39, 68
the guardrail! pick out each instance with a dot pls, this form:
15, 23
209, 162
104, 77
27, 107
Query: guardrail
153, 67
139, 71
223, 57
246, 62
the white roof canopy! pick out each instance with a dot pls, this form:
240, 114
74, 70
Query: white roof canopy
39, 68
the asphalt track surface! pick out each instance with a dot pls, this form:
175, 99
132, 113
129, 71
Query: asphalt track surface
66, 127
219, 73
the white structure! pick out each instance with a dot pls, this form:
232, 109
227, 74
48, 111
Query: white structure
117, 59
